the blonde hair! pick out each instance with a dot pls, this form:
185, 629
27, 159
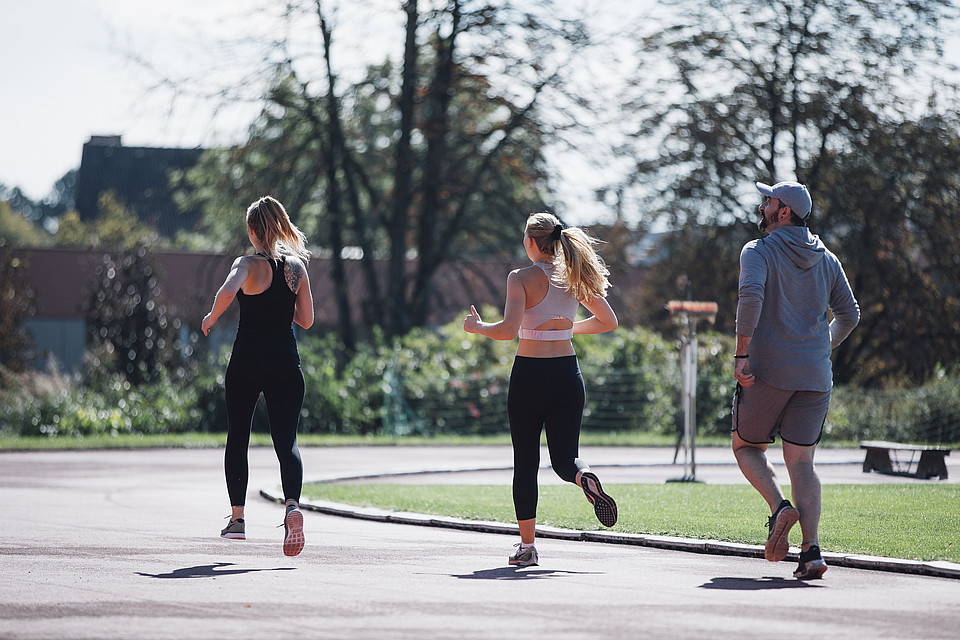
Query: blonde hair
584, 272
272, 227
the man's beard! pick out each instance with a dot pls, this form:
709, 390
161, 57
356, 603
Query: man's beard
762, 222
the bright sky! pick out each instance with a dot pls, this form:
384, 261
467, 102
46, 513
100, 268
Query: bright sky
65, 78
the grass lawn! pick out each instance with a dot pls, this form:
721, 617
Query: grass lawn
897, 521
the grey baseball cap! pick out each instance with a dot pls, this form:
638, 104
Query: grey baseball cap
792, 194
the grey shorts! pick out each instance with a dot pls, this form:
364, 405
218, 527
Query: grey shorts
760, 412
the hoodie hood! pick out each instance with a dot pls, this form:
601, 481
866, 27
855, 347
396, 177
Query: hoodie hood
802, 247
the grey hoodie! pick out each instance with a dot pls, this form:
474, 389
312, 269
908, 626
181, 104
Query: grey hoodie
788, 281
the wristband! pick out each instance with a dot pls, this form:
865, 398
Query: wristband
739, 357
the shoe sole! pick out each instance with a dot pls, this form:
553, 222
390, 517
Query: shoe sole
293, 541
603, 505
522, 563
233, 536
778, 544
514, 563
814, 572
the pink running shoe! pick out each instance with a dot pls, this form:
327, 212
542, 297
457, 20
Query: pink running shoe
293, 528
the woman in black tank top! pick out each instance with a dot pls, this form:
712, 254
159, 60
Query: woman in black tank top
273, 291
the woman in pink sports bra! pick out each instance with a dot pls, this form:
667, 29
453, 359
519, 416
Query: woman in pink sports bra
546, 388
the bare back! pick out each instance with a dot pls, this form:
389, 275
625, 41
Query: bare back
260, 274
535, 286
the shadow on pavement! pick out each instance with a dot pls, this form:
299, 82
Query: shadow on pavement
208, 571
755, 584
518, 573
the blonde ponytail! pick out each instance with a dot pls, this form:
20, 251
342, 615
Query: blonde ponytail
584, 272
273, 228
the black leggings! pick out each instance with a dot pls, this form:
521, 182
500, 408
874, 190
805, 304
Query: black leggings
545, 393
281, 384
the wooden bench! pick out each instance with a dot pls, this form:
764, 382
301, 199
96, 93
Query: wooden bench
931, 462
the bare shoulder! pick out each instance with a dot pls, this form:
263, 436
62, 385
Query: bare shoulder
527, 274
294, 272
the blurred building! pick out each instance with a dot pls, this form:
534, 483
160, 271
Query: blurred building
139, 177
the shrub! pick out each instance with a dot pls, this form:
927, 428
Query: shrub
449, 382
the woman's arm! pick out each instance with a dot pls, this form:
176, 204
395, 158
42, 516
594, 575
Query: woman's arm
303, 307
513, 308
602, 320
228, 291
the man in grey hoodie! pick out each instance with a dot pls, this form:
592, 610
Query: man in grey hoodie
788, 282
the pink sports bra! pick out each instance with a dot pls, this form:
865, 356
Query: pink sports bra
556, 304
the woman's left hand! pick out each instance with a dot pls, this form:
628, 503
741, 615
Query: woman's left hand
472, 322
207, 323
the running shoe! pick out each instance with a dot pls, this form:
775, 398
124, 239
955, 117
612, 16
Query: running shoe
293, 533
234, 530
524, 557
603, 505
811, 566
779, 525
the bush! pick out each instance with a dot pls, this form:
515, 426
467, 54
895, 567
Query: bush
929, 414
450, 382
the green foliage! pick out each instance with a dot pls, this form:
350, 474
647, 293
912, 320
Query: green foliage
446, 382
17, 230
890, 210
926, 414
73, 232
57, 405
16, 305
116, 227
824, 93
436, 382
127, 322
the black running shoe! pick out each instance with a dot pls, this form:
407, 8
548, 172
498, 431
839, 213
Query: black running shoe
779, 525
603, 505
811, 566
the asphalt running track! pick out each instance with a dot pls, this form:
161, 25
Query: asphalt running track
124, 544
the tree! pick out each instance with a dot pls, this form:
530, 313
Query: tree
17, 230
116, 227
890, 205
790, 89
128, 326
434, 158
764, 91
16, 305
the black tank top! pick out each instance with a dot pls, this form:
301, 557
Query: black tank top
266, 319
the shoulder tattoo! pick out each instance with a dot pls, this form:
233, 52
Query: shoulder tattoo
294, 274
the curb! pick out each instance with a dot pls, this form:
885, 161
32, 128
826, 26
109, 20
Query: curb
937, 569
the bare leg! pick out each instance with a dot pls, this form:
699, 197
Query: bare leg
752, 459
528, 530
237, 512
805, 486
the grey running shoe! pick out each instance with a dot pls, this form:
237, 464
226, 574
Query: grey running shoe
811, 566
234, 530
603, 505
293, 533
524, 557
779, 525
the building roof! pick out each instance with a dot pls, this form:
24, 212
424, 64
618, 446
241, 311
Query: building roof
140, 178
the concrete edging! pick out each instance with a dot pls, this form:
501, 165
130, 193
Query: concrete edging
938, 569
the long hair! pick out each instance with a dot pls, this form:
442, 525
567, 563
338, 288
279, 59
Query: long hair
584, 273
271, 224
